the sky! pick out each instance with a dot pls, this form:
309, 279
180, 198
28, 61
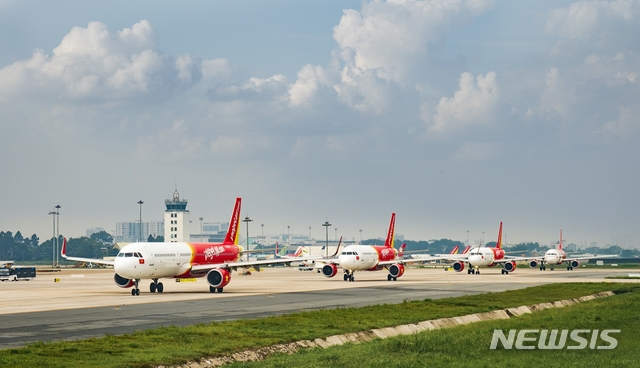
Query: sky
454, 114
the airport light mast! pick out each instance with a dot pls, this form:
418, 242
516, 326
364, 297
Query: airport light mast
140, 232
58, 234
53, 246
247, 220
326, 247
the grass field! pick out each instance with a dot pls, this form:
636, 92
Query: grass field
175, 345
468, 345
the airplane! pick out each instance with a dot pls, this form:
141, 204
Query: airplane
428, 257
554, 257
485, 257
369, 258
154, 261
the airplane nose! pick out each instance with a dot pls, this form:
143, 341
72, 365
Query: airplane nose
475, 259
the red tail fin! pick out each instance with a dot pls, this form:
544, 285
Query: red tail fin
560, 245
234, 224
63, 252
454, 250
499, 243
392, 229
401, 252
466, 250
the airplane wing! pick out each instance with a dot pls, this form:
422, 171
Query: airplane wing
585, 257
234, 265
322, 259
63, 253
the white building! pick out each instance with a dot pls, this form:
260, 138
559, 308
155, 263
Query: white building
130, 231
176, 219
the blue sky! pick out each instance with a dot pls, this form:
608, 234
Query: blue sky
454, 114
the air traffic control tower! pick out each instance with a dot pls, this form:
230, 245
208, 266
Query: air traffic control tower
176, 219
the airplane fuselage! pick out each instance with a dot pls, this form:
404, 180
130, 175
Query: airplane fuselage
554, 256
484, 256
365, 257
169, 260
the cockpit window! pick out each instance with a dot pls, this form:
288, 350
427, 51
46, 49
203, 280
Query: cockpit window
137, 255
120, 254
128, 254
344, 253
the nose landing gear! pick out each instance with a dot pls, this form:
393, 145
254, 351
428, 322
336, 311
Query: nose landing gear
135, 291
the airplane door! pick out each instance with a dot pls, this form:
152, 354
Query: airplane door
150, 258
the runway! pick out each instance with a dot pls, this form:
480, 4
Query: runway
86, 303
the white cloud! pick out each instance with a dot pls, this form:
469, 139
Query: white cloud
93, 63
474, 103
217, 69
626, 125
586, 20
173, 144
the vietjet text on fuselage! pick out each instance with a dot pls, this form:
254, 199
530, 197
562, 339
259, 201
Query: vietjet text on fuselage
154, 261
369, 258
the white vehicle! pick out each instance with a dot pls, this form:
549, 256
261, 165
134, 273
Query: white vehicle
5, 275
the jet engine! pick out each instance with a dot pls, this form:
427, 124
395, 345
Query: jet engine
575, 264
396, 270
533, 264
218, 277
329, 270
510, 266
122, 282
458, 266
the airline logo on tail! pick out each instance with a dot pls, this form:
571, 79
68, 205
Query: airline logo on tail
454, 250
390, 234
401, 251
466, 250
234, 224
560, 245
499, 244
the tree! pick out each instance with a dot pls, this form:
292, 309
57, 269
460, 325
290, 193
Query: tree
103, 237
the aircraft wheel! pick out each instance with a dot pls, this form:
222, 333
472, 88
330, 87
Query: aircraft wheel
477, 272
220, 290
389, 277
160, 287
212, 289
137, 291
351, 278
395, 279
152, 287
346, 277
133, 292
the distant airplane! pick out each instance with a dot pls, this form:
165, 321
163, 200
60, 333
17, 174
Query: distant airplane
369, 258
554, 257
484, 257
428, 257
214, 261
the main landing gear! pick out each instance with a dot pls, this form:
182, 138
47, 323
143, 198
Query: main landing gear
472, 271
213, 290
505, 272
156, 286
348, 276
389, 278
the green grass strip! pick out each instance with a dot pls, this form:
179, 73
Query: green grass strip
177, 345
468, 345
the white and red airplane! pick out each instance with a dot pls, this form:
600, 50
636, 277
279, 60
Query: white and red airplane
154, 261
484, 257
369, 258
554, 257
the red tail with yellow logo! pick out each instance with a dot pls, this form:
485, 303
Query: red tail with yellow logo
390, 234
234, 224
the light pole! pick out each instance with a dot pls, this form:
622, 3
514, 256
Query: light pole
262, 225
360, 236
201, 226
326, 247
247, 220
483, 238
140, 236
467, 237
58, 235
309, 232
53, 247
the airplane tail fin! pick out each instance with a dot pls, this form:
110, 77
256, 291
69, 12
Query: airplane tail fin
560, 244
454, 250
466, 250
390, 235
401, 251
234, 224
63, 251
300, 251
499, 243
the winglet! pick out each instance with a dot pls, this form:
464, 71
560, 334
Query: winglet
63, 252
234, 224
392, 229
337, 249
499, 243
